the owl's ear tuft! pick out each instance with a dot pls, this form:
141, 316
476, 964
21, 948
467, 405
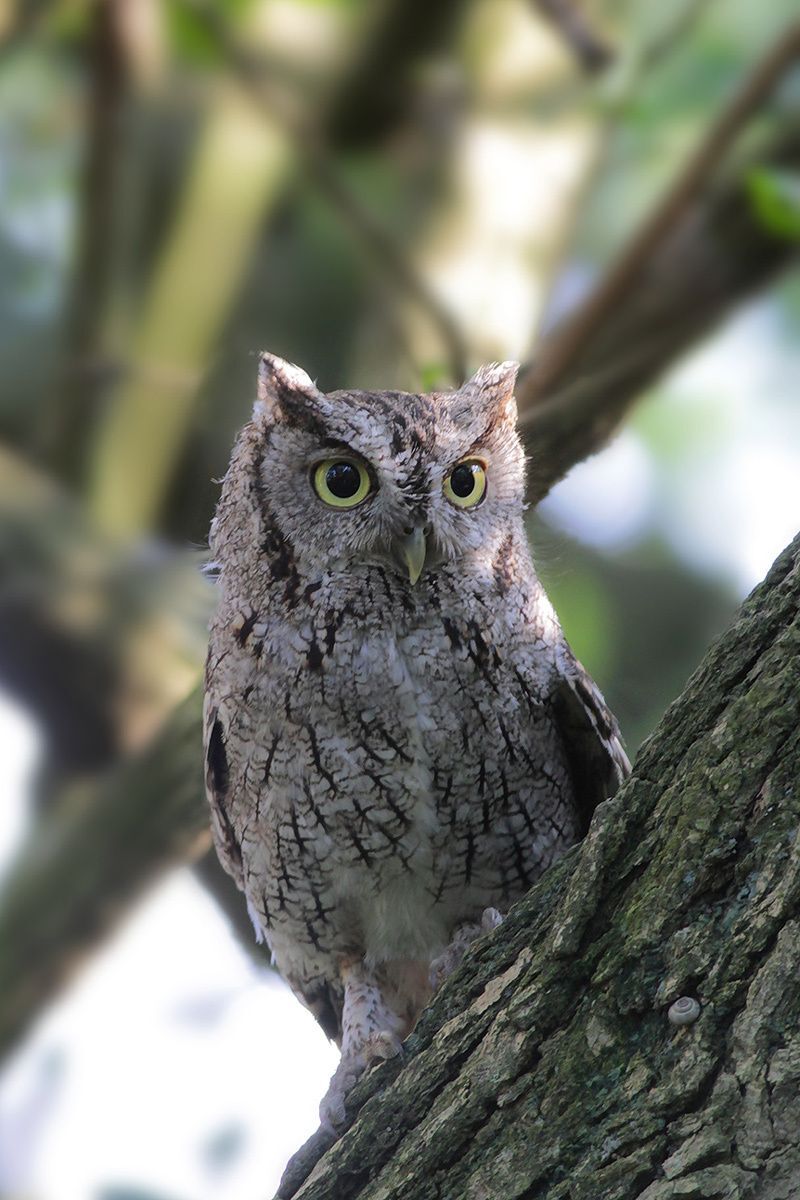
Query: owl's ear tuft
283, 388
492, 388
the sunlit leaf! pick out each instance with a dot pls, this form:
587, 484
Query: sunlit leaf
434, 376
775, 196
190, 36
191, 28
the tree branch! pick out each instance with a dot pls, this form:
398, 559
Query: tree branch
673, 207
590, 49
683, 265
548, 1067
65, 432
718, 255
379, 86
389, 257
319, 165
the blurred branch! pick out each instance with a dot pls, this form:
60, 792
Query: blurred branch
66, 431
317, 161
237, 174
379, 87
680, 22
389, 257
55, 656
611, 93
699, 253
566, 343
18, 21
590, 49
98, 641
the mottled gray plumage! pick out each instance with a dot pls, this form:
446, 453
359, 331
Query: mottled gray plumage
387, 760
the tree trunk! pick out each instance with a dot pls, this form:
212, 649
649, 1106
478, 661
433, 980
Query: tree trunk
548, 1066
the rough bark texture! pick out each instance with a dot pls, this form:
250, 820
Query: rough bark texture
547, 1066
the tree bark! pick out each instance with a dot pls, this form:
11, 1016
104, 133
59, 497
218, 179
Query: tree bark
547, 1067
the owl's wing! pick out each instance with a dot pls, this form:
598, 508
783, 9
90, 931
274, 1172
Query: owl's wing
217, 790
325, 1000
590, 735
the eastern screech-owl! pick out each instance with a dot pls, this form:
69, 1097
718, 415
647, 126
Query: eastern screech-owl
398, 737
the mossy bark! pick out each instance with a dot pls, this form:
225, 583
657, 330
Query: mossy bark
547, 1067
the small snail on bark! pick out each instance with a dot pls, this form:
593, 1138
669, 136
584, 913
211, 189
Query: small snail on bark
684, 1011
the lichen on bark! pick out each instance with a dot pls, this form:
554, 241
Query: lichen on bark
547, 1068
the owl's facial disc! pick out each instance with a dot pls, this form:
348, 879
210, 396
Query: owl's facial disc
412, 484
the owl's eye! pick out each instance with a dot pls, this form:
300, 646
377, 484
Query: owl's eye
341, 482
466, 483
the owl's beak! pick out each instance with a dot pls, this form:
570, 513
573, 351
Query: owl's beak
411, 549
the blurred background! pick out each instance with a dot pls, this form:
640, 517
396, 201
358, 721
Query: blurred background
388, 192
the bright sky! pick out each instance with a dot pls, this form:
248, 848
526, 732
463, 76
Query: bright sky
734, 503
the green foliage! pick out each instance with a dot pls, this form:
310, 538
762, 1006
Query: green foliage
583, 604
192, 29
433, 376
775, 196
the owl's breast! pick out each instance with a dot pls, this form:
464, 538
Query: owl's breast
394, 775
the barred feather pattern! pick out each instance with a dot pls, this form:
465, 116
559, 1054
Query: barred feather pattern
386, 761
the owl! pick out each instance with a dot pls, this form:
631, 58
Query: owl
398, 738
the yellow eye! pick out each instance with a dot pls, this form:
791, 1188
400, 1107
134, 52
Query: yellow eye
341, 482
466, 483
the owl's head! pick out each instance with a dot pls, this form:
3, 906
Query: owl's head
407, 482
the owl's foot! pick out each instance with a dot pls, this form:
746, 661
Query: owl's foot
378, 1048
382, 1046
370, 1034
445, 963
332, 1114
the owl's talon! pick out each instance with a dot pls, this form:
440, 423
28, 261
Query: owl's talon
332, 1112
378, 1048
382, 1046
491, 918
332, 1115
445, 963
